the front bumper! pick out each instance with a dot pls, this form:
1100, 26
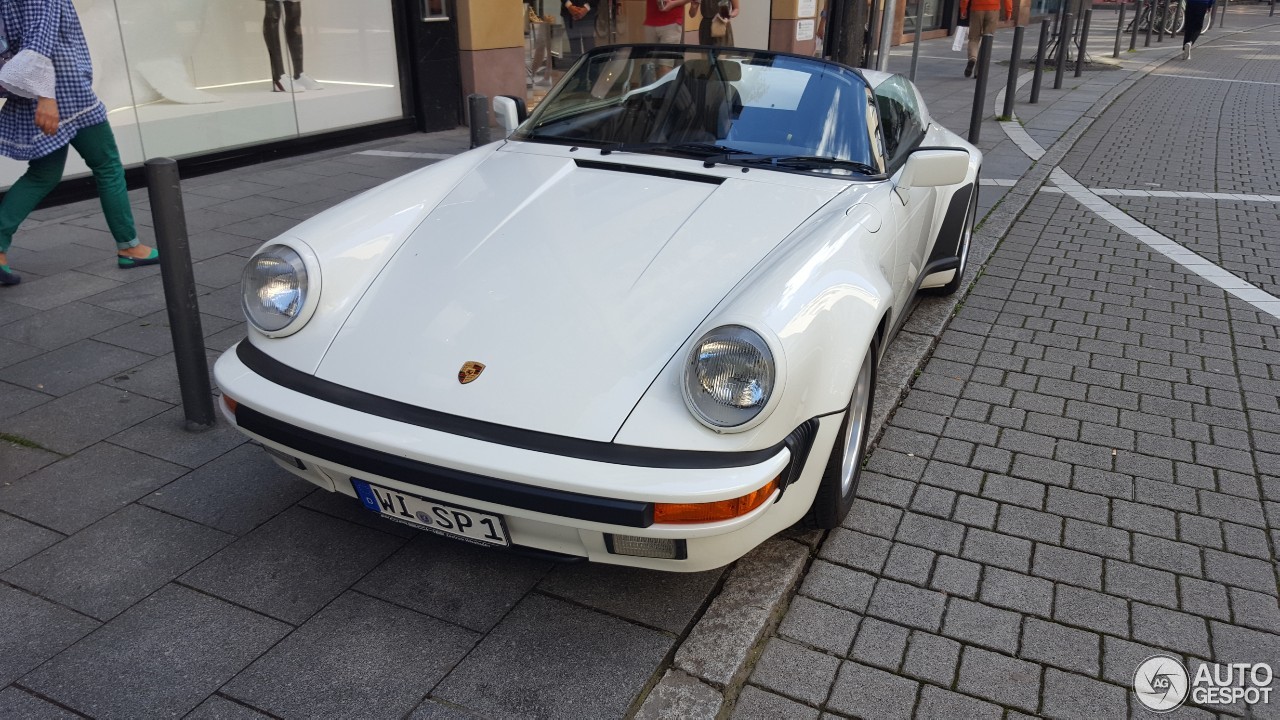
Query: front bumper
551, 501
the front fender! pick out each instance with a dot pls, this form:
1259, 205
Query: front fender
818, 302
353, 242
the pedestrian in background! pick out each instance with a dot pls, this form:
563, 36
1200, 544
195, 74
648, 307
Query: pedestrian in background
50, 104
716, 26
1194, 24
983, 16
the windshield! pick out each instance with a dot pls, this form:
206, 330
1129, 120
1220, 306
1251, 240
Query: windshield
721, 105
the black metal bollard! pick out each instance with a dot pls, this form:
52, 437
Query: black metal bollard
1137, 16
1064, 42
1119, 32
1161, 9
165, 191
980, 91
1273, 9
1222, 15
1084, 41
1041, 49
1011, 88
915, 44
1151, 22
478, 108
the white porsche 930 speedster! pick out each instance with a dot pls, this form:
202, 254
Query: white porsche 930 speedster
643, 329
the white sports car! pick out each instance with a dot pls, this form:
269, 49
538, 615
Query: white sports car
642, 329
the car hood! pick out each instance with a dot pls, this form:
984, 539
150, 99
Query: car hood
572, 282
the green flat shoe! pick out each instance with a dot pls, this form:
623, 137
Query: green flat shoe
128, 262
9, 277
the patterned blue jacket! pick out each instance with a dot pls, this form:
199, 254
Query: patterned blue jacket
52, 59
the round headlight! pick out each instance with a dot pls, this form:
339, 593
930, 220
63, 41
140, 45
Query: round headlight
275, 288
729, 376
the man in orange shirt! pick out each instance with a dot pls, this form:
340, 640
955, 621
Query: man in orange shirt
983, 15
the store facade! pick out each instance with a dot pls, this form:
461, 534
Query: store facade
210, 78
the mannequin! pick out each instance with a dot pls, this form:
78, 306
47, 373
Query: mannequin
298, 81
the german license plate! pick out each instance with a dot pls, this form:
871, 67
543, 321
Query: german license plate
433, 516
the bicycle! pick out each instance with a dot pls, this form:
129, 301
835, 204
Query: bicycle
1173, 20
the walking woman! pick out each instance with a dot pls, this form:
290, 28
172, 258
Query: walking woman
1193, 24
716, 27
48, 83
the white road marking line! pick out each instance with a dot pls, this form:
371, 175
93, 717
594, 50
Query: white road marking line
1212, 79
996, 182
1193, 262
1185, 195
1022, 139
400, 154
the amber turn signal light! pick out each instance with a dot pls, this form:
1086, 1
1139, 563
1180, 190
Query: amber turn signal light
713, 511
230, 402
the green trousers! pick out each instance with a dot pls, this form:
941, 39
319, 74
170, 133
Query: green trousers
97, 145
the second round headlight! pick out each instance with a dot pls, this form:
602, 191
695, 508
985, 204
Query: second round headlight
275, 288
729, 376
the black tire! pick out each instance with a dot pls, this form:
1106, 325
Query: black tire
839, 482
966, 237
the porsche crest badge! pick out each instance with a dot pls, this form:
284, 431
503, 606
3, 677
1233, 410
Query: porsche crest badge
470, 371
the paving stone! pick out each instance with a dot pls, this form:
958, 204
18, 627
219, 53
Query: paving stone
756, 704
1168, 628
879, 643
102, 570
1120, 659
165, 436
855, 549
179, 646
1005, 489
931, 658
220, 708
72, 367
859, 687
991, 548
795, 671
1068, 566
1232, 508
907, 605
1076, 504
34, 630
838, 585
938, 703
1100, 539
1060, 646
351, 656
1181, 558
100, 412
293, 565
975, 511
1239, 571
20, 540
933, 501
16, 703
475, 587
1204, 598
1139, 583
1030, 524
977, 624
73, 493
1231, 641
1067, 695
1255, 610
909, 564
956, 577
1092, 610
873, 518
1023, 593
52, 329
1143, 518
819, 625
1007, 681
941, 536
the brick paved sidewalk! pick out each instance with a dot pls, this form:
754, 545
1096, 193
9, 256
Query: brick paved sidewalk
1087, 471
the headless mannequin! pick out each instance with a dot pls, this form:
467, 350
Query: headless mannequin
292, 33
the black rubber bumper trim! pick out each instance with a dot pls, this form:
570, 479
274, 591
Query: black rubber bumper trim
633, 455
626, 513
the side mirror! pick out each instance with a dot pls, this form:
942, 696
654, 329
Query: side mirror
934, 167
507, 112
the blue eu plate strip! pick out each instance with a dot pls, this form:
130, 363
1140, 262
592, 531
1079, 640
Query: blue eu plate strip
366, 495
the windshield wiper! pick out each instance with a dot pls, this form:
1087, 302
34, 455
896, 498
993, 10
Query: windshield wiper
807, 162
711, 152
